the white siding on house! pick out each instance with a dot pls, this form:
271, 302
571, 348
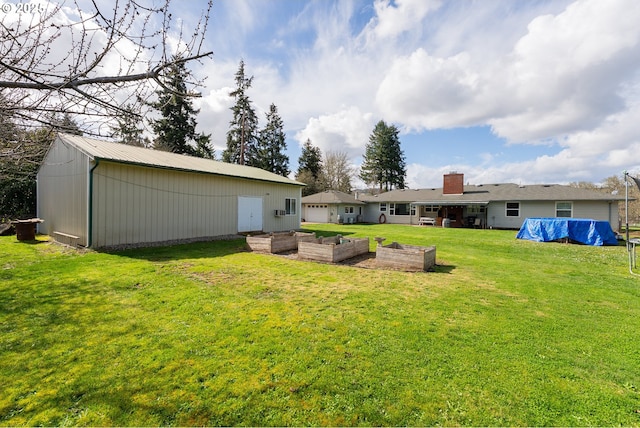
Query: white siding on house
351, 216
496, 212
371, 212
597, 212
62, 192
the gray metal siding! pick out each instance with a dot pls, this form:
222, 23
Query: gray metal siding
62, 191
134, 204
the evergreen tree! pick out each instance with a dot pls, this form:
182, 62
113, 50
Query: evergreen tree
128, 130
272, 144
203, 147
310, 168
21, 153
243, 130
65, 124
384, 162
176, 128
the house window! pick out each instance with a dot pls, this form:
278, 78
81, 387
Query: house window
290, 206
430, 210
475, 209
399, 209
348, 210
564, 209
383, 206
513, 209
413, 210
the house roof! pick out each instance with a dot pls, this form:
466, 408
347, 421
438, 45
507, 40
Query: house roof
331, 197
122, 153
485, 193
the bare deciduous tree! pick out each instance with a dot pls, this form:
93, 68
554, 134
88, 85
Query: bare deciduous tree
86, 63
337, 172
90, 61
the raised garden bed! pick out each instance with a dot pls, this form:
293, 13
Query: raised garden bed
406, 257
332, 249
278, 242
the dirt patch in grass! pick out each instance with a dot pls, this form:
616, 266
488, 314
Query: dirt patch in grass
364, 261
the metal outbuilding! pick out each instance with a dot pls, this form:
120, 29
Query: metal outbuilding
102, 194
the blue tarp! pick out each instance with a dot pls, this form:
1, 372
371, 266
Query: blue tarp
585, 231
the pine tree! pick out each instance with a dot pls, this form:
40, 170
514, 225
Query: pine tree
243, 130
176, 128
384, 162
65, 124
272, 144
310, 168
128, 130
203, 147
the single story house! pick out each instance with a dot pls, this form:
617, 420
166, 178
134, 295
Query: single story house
502, 206
103, 194
332, 206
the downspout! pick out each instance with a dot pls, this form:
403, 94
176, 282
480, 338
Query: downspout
90, 214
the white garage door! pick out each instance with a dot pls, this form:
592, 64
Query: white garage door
317, 213
249, 214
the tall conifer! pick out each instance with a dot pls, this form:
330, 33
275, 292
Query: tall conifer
384, 162
175, 130
272, 145
242, 136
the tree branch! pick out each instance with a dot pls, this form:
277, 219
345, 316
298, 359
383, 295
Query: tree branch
73, 84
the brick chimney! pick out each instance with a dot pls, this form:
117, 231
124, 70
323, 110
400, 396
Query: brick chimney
453, 184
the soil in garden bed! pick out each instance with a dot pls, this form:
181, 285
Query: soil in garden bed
365, 261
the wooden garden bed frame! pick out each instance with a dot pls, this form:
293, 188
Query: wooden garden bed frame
406, 257
332, 249
278, 242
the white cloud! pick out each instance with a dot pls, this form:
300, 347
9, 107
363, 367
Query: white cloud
347, 131
397, 17
563, 76
566, 74
558, 72
422, 91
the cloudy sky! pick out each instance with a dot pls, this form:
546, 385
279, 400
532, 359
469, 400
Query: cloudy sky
502, 91
536, 91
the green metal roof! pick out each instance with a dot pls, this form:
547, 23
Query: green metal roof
122, 153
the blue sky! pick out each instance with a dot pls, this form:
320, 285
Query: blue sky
502, 91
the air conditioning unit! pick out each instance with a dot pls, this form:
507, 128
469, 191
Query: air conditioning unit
279, 213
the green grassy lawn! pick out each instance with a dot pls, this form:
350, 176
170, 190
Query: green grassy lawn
504, 332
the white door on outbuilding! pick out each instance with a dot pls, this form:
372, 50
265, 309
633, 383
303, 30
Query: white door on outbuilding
249, 214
